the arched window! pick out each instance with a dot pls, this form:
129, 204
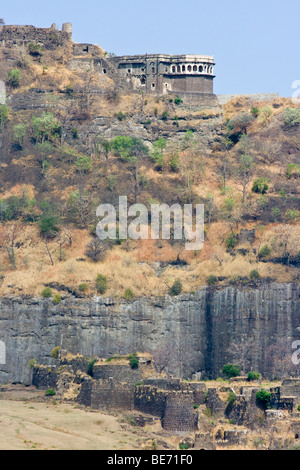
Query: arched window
178, 69
195, 68
200, 68
189, 68
183, 68
173, 69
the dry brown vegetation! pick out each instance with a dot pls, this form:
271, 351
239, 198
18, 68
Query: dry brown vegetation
205, 173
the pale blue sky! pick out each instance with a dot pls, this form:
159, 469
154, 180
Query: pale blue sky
255, 43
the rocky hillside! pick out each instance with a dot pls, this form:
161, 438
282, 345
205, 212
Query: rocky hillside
70, 140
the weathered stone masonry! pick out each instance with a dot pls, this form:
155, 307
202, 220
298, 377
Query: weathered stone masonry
187, 76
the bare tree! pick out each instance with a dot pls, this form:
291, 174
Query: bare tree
2, 21
242, 352
279, 359
48, 252
63, 239
9, 243
96, 249
244, 173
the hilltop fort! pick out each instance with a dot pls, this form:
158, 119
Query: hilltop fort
188, 76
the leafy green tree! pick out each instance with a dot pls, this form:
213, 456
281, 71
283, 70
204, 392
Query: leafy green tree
46, 127
231, 370
158, 152
49, 225
244, 172
19, 134
83, 164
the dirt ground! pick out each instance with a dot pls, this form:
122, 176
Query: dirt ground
29, 421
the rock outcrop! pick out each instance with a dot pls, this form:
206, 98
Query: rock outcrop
205, 323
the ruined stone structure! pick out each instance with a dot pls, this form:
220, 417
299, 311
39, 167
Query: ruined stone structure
187, 76
11, 36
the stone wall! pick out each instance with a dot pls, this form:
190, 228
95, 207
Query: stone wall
150, 400
223, 99
118, 373
50, 38
179, 415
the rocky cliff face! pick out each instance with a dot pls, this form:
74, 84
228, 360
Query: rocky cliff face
204, 324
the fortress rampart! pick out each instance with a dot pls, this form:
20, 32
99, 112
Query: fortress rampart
187, 76
51, 38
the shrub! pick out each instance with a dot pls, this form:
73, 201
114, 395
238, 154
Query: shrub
134, 362
101, 284
83, 287
255, 112
31, 363
231, 241
235, 280
263, 399
291, 117
260, 185
212, 280
178, 100
292, 215
4, 112
47, 292
183, 446
254, 275
293, 169
55, 352
50, 393
56, 299
129, 295
14, 78
35, 49
176, 288
264, 252
276, 213
253, 376
90, 369
165, 116
231, 398
231, 370
121, 116
175, 164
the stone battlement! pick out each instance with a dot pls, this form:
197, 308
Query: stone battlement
15, 35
